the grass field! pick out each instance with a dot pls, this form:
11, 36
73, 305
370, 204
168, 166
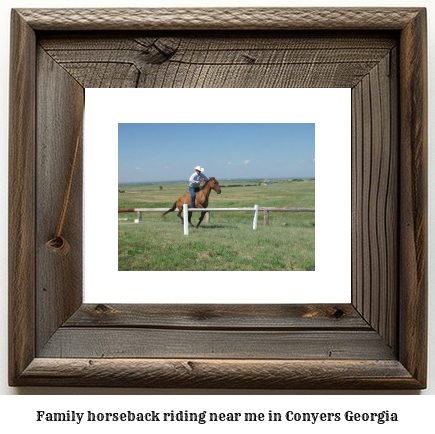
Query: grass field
228, 242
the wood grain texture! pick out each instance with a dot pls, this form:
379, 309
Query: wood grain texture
213, 61
21, 197
220, 18
228, 374
375, 200
220, 317
95, 342
414, 187
377, 342
60, 105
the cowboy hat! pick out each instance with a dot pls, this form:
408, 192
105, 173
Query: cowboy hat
201, 169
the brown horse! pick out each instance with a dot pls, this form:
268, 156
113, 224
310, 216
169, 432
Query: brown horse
201, 200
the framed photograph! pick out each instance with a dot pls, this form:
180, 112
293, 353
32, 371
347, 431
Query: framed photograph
274, 133
376, 341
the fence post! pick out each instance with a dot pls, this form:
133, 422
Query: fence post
207, 217
185, 219
139, 217
266, 218
255, 217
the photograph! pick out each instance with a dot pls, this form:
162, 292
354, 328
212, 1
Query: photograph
266, 164
270, 222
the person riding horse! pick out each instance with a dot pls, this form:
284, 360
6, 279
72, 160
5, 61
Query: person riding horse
195, 182
201, 199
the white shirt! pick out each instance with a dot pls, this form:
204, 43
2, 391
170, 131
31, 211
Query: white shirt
195, 179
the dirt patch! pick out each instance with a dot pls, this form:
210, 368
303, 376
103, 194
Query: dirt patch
203, 255
244, 255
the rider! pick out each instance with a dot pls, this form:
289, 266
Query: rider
195, 182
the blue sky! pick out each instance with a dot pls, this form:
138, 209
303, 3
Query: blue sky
169, 152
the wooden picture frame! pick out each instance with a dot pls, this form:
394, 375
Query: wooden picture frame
378, 341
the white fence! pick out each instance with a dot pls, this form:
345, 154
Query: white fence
256, 209
186, 210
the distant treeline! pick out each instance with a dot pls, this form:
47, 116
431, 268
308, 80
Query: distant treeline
240, 185
275, 181
255, 185
121, 184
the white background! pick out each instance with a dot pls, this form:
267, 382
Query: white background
329, 109
20, 411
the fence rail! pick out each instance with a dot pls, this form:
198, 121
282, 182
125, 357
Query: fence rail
265, 209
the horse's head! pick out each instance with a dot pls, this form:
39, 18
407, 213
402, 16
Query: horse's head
215, 185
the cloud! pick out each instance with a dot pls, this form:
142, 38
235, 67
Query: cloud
138, 168
314, 160
246, 162
167, 168
229, 163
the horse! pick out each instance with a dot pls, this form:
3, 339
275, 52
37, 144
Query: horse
201, 200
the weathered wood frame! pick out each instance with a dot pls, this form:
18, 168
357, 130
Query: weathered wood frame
377, 341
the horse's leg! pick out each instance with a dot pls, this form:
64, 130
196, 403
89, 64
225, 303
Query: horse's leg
190, 218
200, 219
179, 215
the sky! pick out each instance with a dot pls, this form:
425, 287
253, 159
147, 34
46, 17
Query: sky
159, 152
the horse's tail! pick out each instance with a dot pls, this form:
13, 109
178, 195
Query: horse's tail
172, 209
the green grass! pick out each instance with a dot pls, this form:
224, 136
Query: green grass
228, 242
